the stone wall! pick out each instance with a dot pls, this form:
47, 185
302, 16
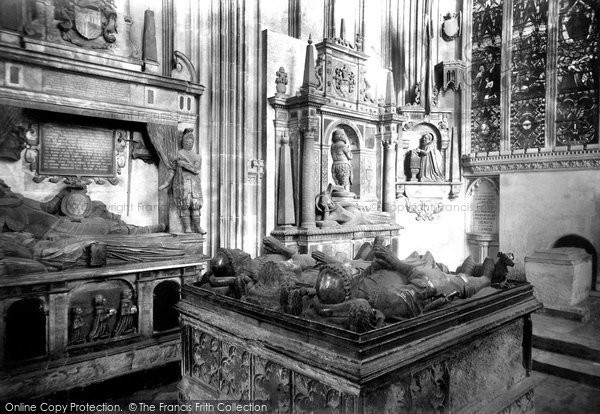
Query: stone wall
538, 208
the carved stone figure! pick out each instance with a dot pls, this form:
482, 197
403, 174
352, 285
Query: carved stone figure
233, 272
102, 315
335, 214
430, 161
127, 310
77, 326
341, 169
397, 289
187, 188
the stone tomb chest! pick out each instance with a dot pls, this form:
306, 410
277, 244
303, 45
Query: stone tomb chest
474, 356
562, 278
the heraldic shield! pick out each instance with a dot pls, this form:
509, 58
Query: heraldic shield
88, 21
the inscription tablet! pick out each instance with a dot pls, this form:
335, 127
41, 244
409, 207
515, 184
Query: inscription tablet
76, 151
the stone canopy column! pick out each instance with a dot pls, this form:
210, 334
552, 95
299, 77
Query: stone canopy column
389, 140
389, 171
307, 193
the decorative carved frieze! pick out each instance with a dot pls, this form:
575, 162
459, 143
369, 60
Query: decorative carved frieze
585, 159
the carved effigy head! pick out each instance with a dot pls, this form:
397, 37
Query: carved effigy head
335, 282
426, 138
229, 262
339, 135
99, 300
126, 294
187, 140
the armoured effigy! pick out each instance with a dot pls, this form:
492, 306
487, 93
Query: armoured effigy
361, 294
233, 272
392, 288
187, 187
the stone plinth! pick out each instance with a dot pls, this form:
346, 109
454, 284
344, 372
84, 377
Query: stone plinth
330, 240
562, 278
472, 357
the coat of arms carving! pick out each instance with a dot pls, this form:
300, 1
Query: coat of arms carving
451, 26
91, 23
345, 80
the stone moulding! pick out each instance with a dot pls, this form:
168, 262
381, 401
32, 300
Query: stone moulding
297, 365
543, 161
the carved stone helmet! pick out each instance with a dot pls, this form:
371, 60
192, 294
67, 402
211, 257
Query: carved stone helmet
229, 262
335, 282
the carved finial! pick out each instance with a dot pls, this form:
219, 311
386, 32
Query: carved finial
310, 39
281, 81
309, 80
390, 95
342, 29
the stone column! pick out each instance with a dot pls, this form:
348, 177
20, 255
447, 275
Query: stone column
389, 172
308, 182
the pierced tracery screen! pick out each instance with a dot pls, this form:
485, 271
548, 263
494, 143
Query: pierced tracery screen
528, 73
577, 73
486, 73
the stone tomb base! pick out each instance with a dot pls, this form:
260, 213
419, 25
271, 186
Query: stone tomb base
561, 279
472, 357
332, 240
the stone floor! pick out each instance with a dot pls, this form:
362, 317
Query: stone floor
563, 396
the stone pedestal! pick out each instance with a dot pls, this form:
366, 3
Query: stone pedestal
562, 279
472, 357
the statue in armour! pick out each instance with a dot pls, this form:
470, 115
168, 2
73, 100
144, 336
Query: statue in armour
341, 169
186, 185
429, 160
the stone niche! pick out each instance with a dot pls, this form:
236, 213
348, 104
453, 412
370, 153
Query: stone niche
562, 279
474, 356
